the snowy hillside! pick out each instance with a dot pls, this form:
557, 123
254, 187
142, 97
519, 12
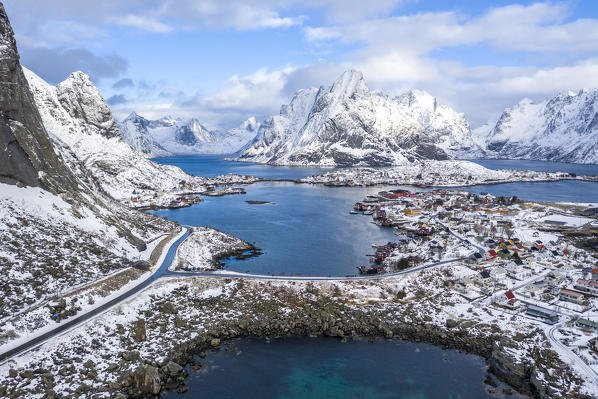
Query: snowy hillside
563, 128
83, 130
347, 124
168, 135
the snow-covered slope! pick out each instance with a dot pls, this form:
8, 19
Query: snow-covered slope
184, 136
83, 130
347, 124
563, 128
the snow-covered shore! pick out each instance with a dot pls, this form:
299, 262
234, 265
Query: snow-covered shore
436, 174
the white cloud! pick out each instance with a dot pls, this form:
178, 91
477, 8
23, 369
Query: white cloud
143, 23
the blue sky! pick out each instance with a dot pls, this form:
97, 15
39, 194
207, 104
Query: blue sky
223, 62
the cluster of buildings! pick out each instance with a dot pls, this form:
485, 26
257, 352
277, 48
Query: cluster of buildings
515, 254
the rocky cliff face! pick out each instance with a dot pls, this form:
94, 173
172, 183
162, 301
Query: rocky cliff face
26, 154
347, 124
563, 128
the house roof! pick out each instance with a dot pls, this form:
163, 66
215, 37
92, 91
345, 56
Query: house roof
571, 293
582, 281
485, 274
510, 295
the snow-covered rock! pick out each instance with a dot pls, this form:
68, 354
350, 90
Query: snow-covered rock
447, 128
184, 136
347, 124
83, 130
563, 128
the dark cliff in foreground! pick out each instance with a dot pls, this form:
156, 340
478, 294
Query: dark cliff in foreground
26, 154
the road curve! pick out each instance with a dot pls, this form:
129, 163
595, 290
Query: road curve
163, 272
71, 323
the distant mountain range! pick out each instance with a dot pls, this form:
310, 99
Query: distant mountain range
347, 124
168, 136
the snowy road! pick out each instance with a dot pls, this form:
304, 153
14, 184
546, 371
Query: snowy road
69, 324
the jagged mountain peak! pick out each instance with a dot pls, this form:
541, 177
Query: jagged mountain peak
349, 83
348, 124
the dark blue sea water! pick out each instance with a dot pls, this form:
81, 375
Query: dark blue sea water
538, 166
215, 165
326, 368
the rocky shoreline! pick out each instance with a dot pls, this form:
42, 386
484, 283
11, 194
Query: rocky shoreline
142, 348
151, 378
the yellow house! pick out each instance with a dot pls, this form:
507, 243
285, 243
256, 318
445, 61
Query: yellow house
413, 211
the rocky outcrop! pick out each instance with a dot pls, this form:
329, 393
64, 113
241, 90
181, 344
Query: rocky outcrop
26, 154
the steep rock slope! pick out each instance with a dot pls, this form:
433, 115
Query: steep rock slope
183, 136
26, 154
563, 128
347, 124
76, 115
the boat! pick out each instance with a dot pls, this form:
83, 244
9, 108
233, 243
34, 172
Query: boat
352, 212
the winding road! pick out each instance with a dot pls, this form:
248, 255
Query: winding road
69, 324
590, 372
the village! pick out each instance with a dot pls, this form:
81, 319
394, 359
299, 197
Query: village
519, 257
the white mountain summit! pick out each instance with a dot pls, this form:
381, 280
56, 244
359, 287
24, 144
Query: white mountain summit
347, 124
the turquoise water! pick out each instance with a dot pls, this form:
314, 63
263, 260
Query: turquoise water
294, 368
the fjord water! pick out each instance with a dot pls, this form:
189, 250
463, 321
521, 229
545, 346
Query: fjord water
560, 191
305, 229
327, 368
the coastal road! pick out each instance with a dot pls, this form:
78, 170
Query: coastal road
590, 372
67, 325
81, 318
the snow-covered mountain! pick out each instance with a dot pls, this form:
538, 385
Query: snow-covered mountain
347, 124
563, 128
83, 131
135, 132
184, 136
